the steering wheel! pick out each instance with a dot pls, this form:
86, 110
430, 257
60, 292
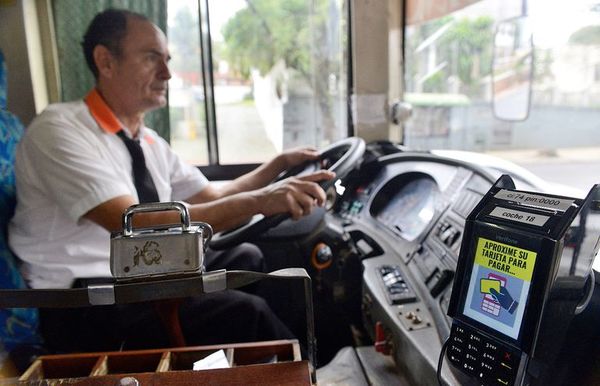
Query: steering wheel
339, 157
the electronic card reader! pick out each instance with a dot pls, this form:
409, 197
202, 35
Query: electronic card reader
523, 272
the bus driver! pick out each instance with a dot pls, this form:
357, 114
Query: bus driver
75, 179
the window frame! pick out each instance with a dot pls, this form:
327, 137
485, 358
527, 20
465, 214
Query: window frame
207, 70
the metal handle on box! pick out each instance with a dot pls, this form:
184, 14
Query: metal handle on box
157, 207
207, 233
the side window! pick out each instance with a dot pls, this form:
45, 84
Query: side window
251, 79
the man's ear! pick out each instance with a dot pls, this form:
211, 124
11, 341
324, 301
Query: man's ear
104, 60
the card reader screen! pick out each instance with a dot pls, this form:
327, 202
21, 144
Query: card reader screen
499, 285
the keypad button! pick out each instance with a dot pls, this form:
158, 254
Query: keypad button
487, 356
470, 357
475, 338
473, 349
458, 339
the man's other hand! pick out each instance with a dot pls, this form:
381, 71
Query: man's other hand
297, 196
296, 156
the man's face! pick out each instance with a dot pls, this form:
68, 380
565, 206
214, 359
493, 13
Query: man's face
140, 73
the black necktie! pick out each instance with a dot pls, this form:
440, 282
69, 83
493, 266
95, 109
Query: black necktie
142, 179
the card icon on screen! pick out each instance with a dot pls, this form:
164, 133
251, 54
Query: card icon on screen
485, 285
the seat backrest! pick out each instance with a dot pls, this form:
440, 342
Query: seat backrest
18, 326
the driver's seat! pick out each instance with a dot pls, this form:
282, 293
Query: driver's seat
18, 326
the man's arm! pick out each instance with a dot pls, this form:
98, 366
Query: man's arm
259, 177
296, 196
219, 214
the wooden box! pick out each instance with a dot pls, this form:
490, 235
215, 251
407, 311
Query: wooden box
258, 363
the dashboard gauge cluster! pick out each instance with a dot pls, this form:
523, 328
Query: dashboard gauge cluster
406, 204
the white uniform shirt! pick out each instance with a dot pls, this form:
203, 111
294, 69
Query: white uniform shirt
67, 164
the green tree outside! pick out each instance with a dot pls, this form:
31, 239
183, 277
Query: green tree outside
295, 31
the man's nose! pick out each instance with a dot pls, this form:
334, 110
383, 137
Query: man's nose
164, 72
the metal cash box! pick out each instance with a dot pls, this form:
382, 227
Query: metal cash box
158, 251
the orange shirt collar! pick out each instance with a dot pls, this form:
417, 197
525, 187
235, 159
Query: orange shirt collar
104, 116
102, 113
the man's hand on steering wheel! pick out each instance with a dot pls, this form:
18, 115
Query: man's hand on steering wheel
296, 196
296, 156
298, 190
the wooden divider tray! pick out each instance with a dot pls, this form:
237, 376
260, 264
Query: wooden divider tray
258, 363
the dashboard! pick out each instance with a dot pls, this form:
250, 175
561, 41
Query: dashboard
405, 213
383, 256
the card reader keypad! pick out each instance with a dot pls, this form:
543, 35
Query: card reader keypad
397, 289
493, 364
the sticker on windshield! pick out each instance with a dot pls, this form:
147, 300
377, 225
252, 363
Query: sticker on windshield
536, 200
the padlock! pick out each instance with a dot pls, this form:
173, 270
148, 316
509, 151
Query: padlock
165, 250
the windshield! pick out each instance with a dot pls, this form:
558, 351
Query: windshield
449, 55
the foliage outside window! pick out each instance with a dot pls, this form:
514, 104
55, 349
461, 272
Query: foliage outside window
279, 74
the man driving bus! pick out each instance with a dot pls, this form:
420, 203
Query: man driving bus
78, 169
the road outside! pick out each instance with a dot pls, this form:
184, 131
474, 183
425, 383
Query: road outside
242, 138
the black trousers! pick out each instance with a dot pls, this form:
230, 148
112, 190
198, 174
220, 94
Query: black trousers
222, 317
